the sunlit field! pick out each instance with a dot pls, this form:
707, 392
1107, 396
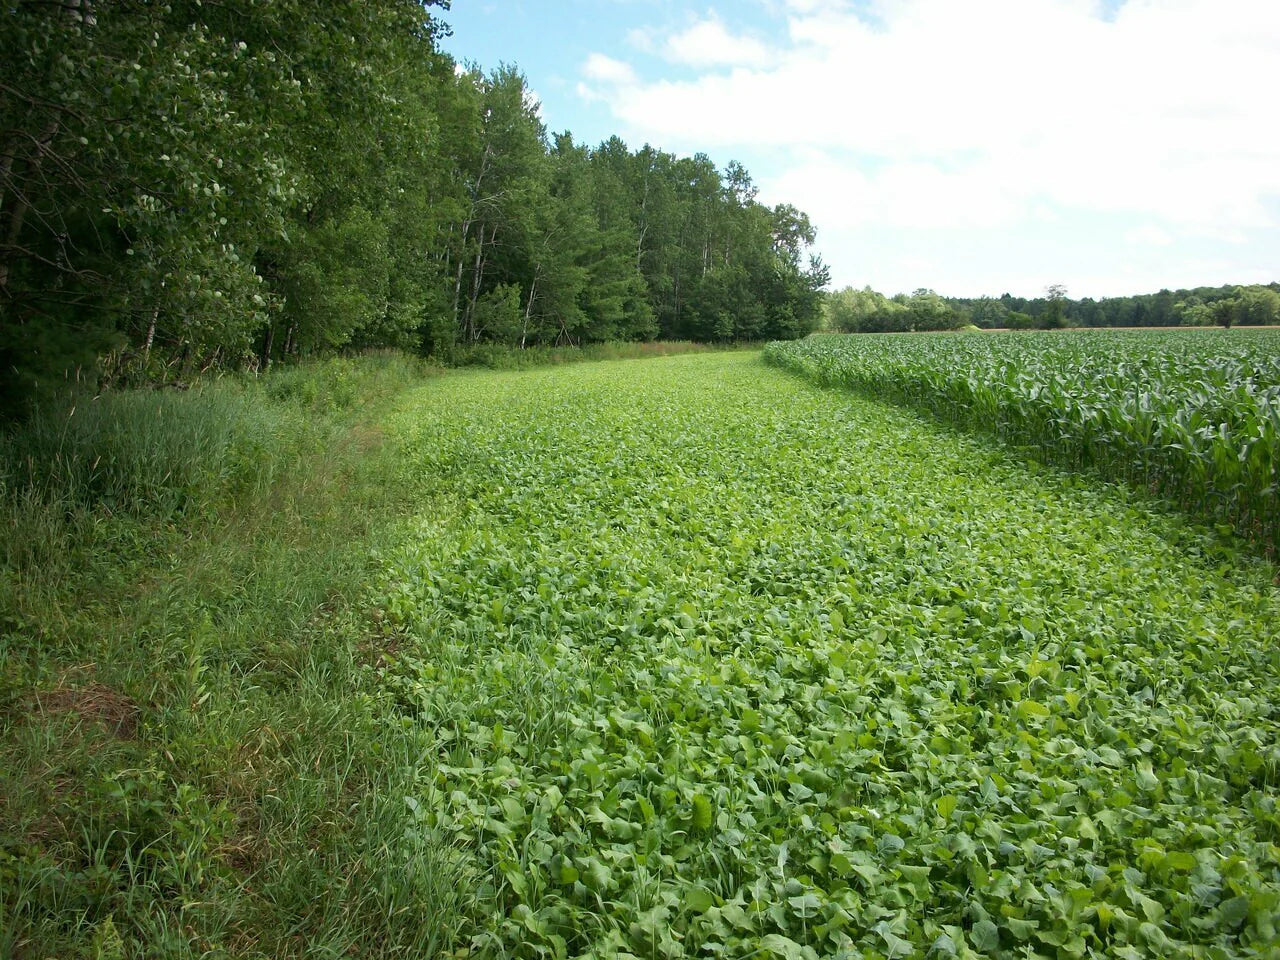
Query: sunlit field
715, 662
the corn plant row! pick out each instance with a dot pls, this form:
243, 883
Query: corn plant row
1190, 415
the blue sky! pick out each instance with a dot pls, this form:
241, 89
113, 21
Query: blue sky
973, 147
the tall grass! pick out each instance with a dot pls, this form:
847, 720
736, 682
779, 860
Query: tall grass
156, 451
197, 755
165, 449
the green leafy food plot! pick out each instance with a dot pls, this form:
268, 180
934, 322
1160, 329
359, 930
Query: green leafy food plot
716, 663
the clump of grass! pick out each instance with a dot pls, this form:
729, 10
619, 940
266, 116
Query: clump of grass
344, 383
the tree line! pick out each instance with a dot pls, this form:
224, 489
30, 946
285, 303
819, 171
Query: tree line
190, 183
865, 311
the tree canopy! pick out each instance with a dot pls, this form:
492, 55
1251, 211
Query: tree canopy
189, 183
865, 311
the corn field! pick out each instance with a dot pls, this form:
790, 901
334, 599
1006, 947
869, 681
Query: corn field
1193, 416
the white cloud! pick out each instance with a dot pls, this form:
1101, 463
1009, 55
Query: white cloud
1147, 236
607, 70
708, 43
990, 114
642, 39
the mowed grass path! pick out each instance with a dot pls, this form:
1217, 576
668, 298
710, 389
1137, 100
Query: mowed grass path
717, 663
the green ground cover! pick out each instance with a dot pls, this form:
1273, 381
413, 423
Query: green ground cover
1193, 415
717, 663
681, 657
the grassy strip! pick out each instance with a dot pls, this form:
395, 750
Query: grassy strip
195, 752
498, 357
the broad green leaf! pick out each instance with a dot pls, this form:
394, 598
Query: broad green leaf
702, 812
985, 936
698, 899
776, 945
1032, 710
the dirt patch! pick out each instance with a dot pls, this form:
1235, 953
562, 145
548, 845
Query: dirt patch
367, 436
114, 712
380, 646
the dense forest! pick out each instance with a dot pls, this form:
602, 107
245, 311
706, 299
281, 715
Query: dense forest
865, 311
191, 184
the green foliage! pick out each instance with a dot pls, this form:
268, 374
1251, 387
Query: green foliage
117, 209
1162, 309
1192, 417
1259, 306
500, 357
1194, 312
604, 244
1224, 312
685, 657
987, 312
152, 451
865, 311
498, 315
715, 662
155, 452
181, 456
334, 280
1054, 316
928, 311
1247, 305
333, 182
858, 311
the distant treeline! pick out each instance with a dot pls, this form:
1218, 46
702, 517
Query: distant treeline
865, 311
187, 184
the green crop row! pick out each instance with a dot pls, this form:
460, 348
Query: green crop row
1191, 415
